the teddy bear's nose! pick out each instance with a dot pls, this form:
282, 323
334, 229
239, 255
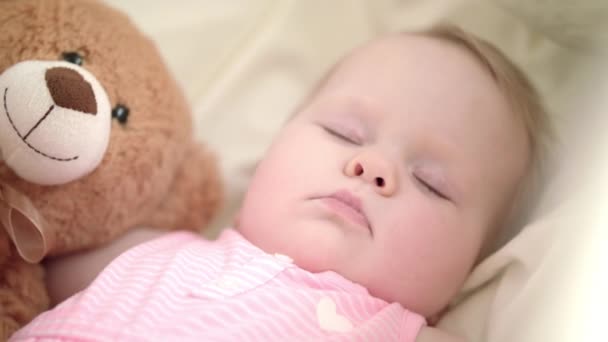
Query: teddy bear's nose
70, 90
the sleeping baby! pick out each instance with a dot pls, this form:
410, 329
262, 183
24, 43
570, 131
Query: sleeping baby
361, 222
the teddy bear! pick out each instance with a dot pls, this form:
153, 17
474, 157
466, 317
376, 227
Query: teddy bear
95, 138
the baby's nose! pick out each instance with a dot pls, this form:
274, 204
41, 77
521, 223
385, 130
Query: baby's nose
375, 170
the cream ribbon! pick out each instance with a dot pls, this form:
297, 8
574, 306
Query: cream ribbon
24, 225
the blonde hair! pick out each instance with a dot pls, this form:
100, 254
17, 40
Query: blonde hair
525, 102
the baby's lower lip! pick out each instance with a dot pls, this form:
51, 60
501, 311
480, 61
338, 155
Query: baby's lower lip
346, 212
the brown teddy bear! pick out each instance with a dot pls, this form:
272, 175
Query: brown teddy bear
95, 138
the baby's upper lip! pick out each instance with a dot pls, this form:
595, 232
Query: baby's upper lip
349, 199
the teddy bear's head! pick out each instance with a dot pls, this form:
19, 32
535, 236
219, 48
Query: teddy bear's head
93, 129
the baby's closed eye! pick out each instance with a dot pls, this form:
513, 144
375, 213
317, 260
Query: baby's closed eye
343, 132
430, 185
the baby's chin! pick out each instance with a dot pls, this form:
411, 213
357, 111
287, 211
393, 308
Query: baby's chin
428, 301
328, 252
314, 248
307, 257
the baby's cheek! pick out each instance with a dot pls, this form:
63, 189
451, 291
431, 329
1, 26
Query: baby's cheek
420, 261
442, 240
419, 229
425, 237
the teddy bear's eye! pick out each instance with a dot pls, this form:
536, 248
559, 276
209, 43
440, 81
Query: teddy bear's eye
121, 113
73, 57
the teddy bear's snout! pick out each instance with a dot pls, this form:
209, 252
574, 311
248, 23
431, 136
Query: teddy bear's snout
70, 90
55, 121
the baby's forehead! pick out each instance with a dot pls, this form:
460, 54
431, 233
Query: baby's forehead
409, 55
424, 74
344, 64
440, 81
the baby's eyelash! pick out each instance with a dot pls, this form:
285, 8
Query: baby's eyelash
340, 135
431, 189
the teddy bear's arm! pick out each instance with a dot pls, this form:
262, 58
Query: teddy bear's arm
22, 293
195, 196
68, 274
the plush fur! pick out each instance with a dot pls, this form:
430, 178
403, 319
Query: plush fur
153, 173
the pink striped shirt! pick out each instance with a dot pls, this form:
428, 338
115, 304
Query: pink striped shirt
181, 287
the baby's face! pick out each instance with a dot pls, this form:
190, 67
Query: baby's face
393, 173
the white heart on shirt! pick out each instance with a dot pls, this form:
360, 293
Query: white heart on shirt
329, 319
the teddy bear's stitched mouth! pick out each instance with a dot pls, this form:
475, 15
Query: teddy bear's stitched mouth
31, 130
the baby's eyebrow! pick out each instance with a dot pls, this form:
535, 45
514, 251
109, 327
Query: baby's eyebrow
341, 103
364, 107
361, 114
